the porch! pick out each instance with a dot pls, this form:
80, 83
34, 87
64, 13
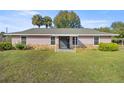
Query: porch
66, 43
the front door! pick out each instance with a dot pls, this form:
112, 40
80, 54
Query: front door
64, 42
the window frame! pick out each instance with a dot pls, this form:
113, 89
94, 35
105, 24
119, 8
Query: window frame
52, 40
73, 40
96, 42
23, 40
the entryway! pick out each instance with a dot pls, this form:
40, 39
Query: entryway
64, 42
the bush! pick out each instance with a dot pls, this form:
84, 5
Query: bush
5, 46
108, 47
20, 46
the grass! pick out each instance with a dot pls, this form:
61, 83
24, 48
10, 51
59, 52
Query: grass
47, 66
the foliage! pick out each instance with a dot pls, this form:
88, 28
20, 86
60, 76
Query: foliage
5, 46
2, 34
103, 29
121, 34
20, 46
66, 19
37, 20
108, 47
118, 25
47, 21
2, 37
118, 28
117, 40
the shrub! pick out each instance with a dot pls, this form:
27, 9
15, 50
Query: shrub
20, 46
108, 47
5, 46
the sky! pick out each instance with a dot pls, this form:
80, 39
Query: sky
20, 20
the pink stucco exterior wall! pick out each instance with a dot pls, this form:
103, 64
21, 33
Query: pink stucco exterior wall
105, 39
16, 39
38, 40
85, 40
89, 40
46, 40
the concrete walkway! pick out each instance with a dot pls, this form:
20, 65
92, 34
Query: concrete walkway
65, 50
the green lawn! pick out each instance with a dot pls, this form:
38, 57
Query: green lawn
48, 66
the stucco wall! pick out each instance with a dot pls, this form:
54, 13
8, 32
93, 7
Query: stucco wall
16, 39
89, 40
85, 40
105, 39
57, 41
38, 40
46, 40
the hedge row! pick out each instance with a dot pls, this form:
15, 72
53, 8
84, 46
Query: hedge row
108, 47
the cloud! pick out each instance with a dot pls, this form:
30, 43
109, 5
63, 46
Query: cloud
27, 12
15, 22
9, 26
95, 21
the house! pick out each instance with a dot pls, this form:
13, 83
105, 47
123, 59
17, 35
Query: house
61, 38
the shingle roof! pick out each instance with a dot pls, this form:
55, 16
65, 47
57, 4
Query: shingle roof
44, 31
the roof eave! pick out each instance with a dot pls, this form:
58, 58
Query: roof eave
98, 34
63, 34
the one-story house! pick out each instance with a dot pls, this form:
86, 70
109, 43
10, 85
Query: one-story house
61, 38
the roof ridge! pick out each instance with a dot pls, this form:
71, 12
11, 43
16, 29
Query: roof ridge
60, 31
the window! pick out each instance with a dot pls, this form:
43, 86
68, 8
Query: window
52, 40
23, 40
74, 40
96, 40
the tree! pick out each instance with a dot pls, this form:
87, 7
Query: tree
103, 29
37, 20
47, 21
121, 34
2, 34
4, 37
118, 25
66, 19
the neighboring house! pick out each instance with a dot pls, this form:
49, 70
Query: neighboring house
61, 38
